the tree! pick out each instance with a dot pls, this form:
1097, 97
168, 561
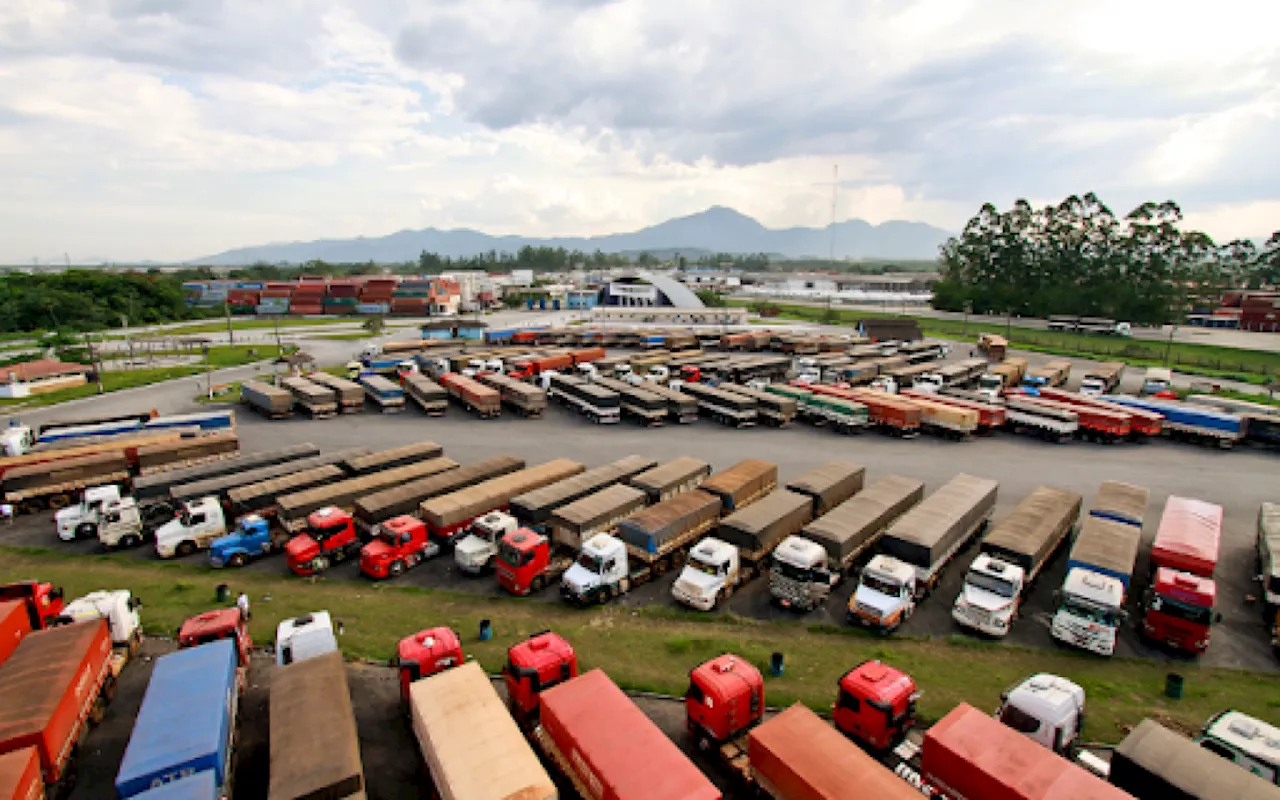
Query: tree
712, 299
375, 325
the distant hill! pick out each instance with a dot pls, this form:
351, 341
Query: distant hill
716, 230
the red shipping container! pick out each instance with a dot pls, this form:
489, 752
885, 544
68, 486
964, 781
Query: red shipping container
1188, 537
971, 756
20, 775
798, 756
49, 685
15, 624
300, 309
616, 751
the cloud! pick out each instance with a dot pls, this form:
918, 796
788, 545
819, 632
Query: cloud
189, 126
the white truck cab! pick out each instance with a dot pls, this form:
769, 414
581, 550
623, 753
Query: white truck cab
800, 576
544, 379
1157, 380
884, 384
1250, 743
658, 374
930, 382
886, 593
990, 385
588, 371
709, 576
117, 606
82, 521
200, 522
475, 552
1092, 387
989, 598
600, 572
304, 637
1090, 611
1045, 708
16, 440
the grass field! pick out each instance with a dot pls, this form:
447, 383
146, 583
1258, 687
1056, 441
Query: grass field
1250, 366
255, 324
653, 649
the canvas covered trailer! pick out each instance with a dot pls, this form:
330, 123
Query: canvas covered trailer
315, 750
854, 525
931, 532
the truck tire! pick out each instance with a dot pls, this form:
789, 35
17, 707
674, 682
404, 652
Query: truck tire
132, 540
537, 583
186, 548
86, 530
396, 569
237, 560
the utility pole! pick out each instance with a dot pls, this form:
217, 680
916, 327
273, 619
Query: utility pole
231, 337
94, 361
208, 372
124, 327
279, 347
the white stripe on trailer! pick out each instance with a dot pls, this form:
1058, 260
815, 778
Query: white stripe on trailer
1064, 427
604, 416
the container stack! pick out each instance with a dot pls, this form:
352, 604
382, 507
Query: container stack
308, 298
341, 296
275, 298
375, 296
244, 300
412, 297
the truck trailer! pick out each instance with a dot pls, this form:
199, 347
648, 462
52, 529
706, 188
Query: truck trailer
1142, 423
525, 398
638, 400
386, 395
773, 409
222, 486
315, 750
1178, 607
152, 491
730, 408
270, 401
374, 509
320, 402
1155, 763
350, 394
534, 509
1099, 572
187, 452
596, 403
742, 484
680, 407
53, 485
429, 395
671, 478
448, 516
1262, 422
260, 498
295, 507
1191, 422
830, 484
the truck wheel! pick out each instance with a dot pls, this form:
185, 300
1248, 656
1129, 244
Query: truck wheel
86, 530
186, 548
237, 560
130, 541
397, 569
537, 583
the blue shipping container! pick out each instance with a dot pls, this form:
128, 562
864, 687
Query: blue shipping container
186, 721
201, 786
87, 431
1185, 415
205, 420
373, 308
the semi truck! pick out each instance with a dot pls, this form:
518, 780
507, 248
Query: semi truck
220, 624
1269, 558
401, 543
1191, 422
304, 638
485, 401
295, 507
1155, 763
1141, 422
54, 484
807, 566
740, 549
990, 415
595, 402
944, 419
251, 538
1049, 374
449, 516
42, 601
742, 484
15, 623
429, 395
1245, 741
425, 653
1011, 557
648, 543
187, 452
194, 528
187, 721
373, 509
917, 547
350, 394
119, 608
527, 399
65, 679
315, 749
1178, 606
671, 478
101, 514
270, 401
830, 484
730, 408
534, 509
1092, 422
386, 395
459, 720
638, 401
320, 402
894, 415
1024, 414
592, 732
773, 409
1262, 422
1103, 378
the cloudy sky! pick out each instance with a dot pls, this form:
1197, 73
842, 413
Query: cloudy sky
173, 129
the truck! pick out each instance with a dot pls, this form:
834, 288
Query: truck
251, 538
187, 452
1246, 741
807, 566
1004, 375
649, 542
889, 413
1156, 380
260, 498
1262, 422
528, 400
1155, 762
194, 528
590, 731
1048, 709
596, 403
740, 549
295, 507
1178, 605
350, 394
968, 754
839, 413
220, 624
457, 715
1090, 604
730, 408
680, 407
53, 485
1191, 422
742, 484
943, 418
1011, 557
671, 478
485, 401
100, 507
1049, 374
1140, 422
270, 401
120, 610
534, 509
450, 516
65, 678
315, 749
429, 395
1268, 564
532, 368
1054, 423
398, 544
875, 705
830, 484
990, 415
425, 653
321, 402
329, 536
1103, 378
1107, 425
42, 601
917, 547
638, 401
386, 395
534, 665
187, 721
994, 346
304, 638
373, 509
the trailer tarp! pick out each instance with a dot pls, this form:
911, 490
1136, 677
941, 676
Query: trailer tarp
315, 750
344, 493
665, 477
225, 483
741, 481
244, 499
595, 508
395, 457
158, 485
830, 484
1154, 762
653, 527
405, 499
846, 529
928, 532
451, 509
1027, 535
535, 507
1122, 502
759, 527
1106, 546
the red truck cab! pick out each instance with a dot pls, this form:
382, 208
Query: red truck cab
533, 666
401, 542
44, 601
1179, 610
691, 374
725, 698
875, 704
425, 653
522, 561
222, 623
330, 537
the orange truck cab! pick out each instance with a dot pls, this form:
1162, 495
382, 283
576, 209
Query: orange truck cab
725, 699
330, 537
425, 653
533, 666
44, 601
221, 623
401, 543
876, 705
523, 561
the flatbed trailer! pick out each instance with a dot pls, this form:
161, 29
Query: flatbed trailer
1052, 424
774, 409
990, 416
1142, 423
349, 393
727, 407
387, 396
54, 485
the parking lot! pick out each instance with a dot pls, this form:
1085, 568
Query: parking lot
1238, 480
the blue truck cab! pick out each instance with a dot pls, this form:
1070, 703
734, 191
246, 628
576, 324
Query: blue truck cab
250, 539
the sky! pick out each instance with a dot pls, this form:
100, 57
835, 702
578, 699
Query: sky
174, 129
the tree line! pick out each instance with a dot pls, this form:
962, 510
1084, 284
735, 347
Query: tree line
82, 300
1080, 258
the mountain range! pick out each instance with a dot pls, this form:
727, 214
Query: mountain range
716, 230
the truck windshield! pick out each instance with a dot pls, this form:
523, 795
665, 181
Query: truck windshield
802, 574
1273, 583
325, 531
990, 583
509, 555
1084, 609
589, 562
703, 566
1170, 607
990, 382
881, 584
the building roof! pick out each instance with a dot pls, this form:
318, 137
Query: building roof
42, 368
676, 292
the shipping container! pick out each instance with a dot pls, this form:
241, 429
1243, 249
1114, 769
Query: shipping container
295, 507
743, 483
830, 484
472, 746
447, 514
856, 524
609, 749
759, 528
533, 509
315, 750
406, 498
187, 720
